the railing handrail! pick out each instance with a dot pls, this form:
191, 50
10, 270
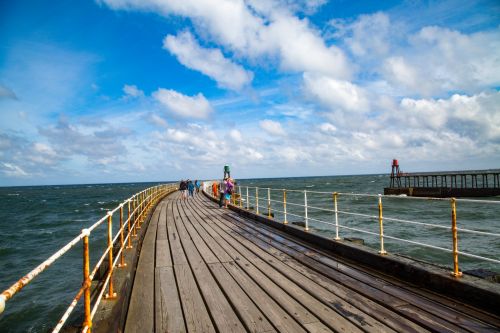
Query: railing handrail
141, 202
269, 196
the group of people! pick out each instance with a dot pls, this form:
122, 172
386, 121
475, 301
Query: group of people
188, 187
224, 190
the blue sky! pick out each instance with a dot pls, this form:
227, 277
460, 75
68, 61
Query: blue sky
151, 90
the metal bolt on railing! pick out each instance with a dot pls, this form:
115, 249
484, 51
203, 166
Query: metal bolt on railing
456, 272
111, 294
336, 216
381, 225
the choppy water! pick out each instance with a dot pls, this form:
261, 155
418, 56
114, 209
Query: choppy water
37, 221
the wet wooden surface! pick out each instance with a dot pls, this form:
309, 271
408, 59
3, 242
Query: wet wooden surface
206, 269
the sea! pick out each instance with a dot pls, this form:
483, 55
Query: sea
36, 221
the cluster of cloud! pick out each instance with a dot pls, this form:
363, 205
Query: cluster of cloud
365, 89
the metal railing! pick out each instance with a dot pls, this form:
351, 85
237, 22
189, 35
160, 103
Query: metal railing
137, 208
278, 201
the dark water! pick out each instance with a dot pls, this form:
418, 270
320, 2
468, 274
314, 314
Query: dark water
37, 221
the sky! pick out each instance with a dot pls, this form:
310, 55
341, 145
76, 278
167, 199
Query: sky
154, 90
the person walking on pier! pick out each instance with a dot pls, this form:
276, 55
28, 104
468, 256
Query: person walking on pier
183, 189
215, 186
228, 192
197, 185
222, 192
191, 188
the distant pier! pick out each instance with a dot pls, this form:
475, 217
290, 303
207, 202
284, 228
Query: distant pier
474, 183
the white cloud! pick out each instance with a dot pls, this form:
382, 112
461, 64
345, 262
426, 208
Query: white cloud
132, 91
336, 94
235, 135
367, 36
439, 60
182, 105
254, 30
327, 127
272, 127
210, 62
157, 120
12, 170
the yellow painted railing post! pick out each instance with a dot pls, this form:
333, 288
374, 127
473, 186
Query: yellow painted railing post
269, 202
336, 216
122, 259
456, 272
111, 294
257, 200
129, 239
284, 207
138, 212
381, 225
241, 197
87, 321
134, 216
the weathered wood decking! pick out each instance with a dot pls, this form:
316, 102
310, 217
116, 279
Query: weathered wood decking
205, 269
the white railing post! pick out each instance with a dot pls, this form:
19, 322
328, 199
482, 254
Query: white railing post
248, 203
306, 227
336, 216
284, 207
269, 202
381, 225
257, 200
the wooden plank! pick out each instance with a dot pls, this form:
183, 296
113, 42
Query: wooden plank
219, 252
434, 312
218, 305
252, 317
196, 315
163, 258
187, 231
344, 300
168, 310
329, 317
272, 310
178, 256
162, 222
140, 315
289, 304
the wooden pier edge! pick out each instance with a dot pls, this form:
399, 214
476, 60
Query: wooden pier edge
111, 315
467, 289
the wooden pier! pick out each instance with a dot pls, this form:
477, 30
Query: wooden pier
206, 269
480, 183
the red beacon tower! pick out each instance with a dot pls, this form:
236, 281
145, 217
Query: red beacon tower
395, 174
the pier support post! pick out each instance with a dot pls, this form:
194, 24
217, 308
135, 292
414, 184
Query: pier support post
381, 225
456, 272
